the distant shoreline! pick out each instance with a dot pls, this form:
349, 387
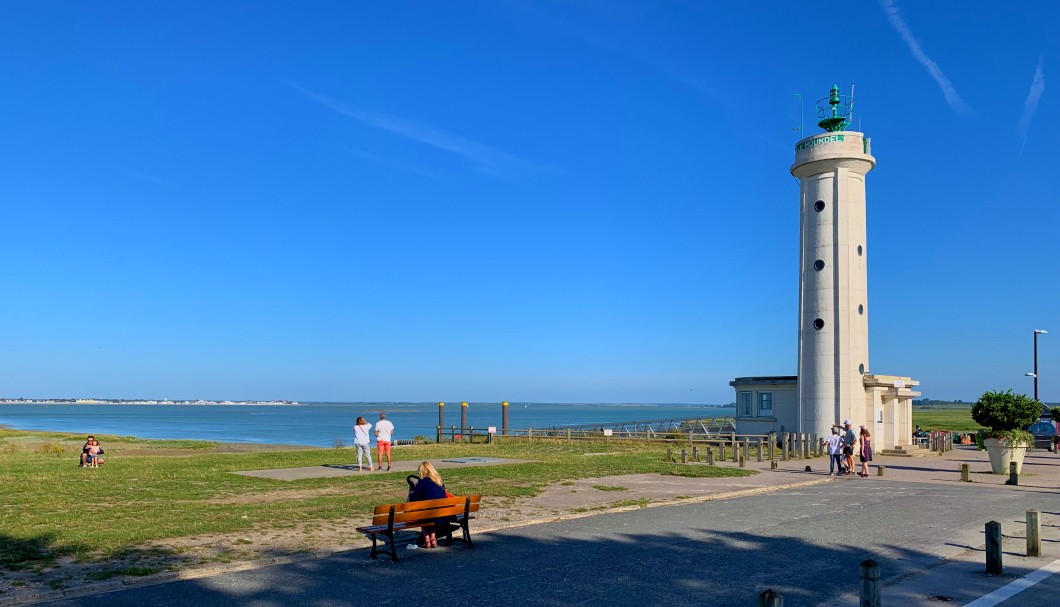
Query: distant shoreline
90, 402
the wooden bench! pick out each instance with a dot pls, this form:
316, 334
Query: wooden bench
411, 515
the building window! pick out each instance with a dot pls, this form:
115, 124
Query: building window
765, 404
818, 206
860, 250
818, 265
861, 309
744, 404
818, 324
861, 368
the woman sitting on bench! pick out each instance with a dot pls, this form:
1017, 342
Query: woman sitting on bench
431, 487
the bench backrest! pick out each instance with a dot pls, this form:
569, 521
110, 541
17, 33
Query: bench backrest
426, 509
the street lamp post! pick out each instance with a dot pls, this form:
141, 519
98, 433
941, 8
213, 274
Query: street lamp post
1036, 333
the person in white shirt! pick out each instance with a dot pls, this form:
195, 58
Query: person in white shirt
835, 452
384, 430
362, 441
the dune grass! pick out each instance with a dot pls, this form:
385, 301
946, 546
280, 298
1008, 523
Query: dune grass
956, 419
53, 508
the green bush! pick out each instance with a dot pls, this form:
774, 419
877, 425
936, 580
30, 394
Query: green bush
1006, 414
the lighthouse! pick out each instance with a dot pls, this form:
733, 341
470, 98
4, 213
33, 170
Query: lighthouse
834, 382
833, 278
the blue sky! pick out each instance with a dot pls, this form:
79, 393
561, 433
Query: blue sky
483, 201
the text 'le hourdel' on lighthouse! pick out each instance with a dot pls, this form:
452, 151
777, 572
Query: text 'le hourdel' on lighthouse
834, 381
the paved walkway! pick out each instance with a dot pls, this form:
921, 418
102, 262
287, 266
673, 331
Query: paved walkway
921, 502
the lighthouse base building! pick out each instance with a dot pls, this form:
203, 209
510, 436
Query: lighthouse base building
834, 381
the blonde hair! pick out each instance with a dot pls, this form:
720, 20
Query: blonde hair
427, 470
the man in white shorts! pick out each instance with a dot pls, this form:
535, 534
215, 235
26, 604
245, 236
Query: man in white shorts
384, 430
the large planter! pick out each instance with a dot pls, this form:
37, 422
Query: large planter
1001, 453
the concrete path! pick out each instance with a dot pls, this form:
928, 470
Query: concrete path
716, 541
805, 543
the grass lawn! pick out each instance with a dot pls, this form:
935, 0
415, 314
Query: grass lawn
957, 420
156, 490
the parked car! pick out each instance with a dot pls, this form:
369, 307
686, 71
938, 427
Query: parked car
1044, 435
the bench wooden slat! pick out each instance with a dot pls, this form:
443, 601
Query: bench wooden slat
389, 518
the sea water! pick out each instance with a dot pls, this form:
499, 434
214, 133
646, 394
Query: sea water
321, 424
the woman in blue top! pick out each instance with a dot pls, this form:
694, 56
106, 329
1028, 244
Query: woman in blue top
431, 487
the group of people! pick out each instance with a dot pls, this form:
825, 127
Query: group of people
91, 453
841, 449
362, 440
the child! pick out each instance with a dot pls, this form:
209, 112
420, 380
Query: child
92, 458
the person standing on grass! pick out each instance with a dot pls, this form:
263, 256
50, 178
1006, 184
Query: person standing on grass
362, 442
835, 452
384, 430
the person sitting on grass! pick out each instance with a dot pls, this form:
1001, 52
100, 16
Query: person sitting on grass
84, 450
92, 457
431, 487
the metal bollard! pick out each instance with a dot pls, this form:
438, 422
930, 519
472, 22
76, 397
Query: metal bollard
965, 473
993, 548
1034, 533
770, 598
870, 584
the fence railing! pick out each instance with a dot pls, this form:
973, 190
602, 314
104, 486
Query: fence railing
730, 445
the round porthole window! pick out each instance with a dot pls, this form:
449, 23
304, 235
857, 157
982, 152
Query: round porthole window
861, 309
818, 324
818, 265
861, 369
860, 250
818, 206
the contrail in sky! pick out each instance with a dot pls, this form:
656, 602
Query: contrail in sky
484, 155
903, 30
1031, 104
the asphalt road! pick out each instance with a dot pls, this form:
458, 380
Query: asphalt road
804, 543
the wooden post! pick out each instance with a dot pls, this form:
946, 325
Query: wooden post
784, 446
965, 473
1034, 533
746, 448
695, 453
529, 434
735, 446
880, 469
568, 435
669, 454
870, 584
742, 461
805, 446
441, 416
721, 452
504, 418
690, 438
772, 444
684, 456
471, 434
772, 464
770, 598
993, 548
710, 455
1013, 476
761, 448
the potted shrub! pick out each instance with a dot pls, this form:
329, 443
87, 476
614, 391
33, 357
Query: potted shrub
1006, 414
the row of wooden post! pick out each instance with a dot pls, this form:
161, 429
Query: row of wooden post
463, 419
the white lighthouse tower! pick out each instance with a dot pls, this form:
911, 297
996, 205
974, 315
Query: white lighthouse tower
833, 280
834, 381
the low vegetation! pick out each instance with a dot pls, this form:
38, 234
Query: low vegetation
149, 491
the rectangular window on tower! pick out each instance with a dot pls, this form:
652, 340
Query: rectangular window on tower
743, 405
765, 404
